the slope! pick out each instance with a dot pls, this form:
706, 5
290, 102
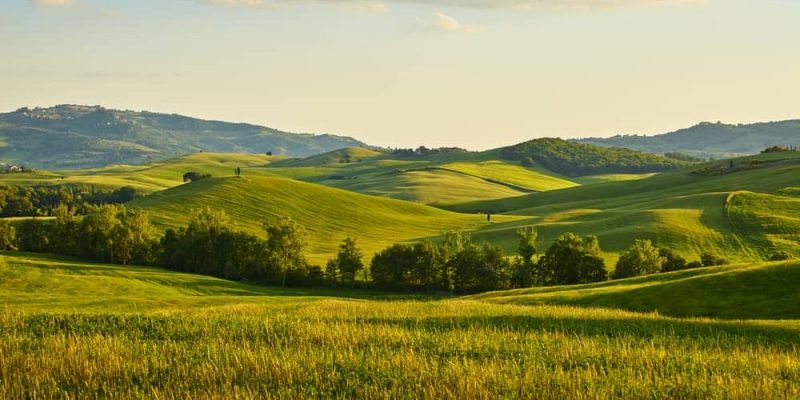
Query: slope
752, 291
684, 210
328, 214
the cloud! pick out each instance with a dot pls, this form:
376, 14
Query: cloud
52, 3
553, 4
382, 5
445, 23
360, 6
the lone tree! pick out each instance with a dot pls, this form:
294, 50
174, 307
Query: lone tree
641, 259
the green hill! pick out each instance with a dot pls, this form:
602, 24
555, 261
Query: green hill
578, 159
711, 140
761, 291
71, 136
685, 210
328, 214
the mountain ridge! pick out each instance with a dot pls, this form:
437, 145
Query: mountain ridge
710, 140
77, 136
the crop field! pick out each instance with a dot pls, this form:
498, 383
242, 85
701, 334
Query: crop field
146, 333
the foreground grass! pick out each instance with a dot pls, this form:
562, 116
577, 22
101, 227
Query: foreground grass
217, 339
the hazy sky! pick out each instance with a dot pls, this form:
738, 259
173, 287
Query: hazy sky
472, 73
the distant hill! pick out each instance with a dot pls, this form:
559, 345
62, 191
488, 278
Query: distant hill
711, 140
578, 159
70, 136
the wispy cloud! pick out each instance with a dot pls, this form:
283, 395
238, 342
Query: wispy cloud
381, 5
444, 23
360, 6
52, 3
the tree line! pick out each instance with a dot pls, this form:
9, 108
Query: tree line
210, 245
21, 201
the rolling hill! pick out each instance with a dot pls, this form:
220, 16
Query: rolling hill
711, 140
689, 210
71, 136
328, 214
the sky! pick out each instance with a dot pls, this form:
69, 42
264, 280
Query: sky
476, 74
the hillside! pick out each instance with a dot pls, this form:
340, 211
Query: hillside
328, 214
761, 291
69, 137
577, 159
711, 140
687, 210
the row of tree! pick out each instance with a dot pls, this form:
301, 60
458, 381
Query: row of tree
209, 245
20, 201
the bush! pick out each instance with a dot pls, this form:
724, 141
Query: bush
194, 176
641, 259
780, 256
710, 260
694, 265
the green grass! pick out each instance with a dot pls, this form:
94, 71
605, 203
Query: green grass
79, 330
148, 178
512, 174
682, 210
329, 215
748, 291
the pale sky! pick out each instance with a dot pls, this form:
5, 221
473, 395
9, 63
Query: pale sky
471, 73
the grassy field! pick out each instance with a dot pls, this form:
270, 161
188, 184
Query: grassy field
147, 333
329, 215
686, 210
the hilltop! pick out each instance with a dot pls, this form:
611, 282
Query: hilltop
711, 140
73, 136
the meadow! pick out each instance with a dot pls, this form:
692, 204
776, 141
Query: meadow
147, 333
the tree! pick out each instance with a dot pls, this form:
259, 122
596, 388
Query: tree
525, 272
479, 267
33, 236
672, 261
285, 243
8, 236
349, 260
641, 259
572, 259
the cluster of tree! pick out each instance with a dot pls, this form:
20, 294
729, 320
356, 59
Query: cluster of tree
577, 159
643, 258
424, 151
107, 233
20, 201
779, 149
458, 264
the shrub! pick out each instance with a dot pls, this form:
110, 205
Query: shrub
710, 260
780, 256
